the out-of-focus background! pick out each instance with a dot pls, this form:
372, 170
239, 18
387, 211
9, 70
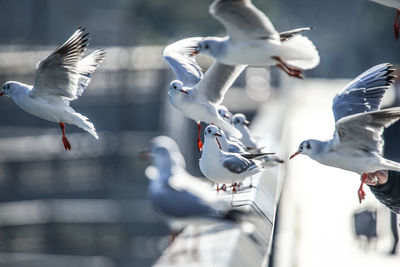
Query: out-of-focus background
89, 207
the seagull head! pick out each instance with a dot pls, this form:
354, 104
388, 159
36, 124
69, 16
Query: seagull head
211, 131
224, 113
308, 147
239, 120
11, 88
210, 46
177, 86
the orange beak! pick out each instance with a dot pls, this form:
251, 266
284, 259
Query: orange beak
294, 155
184, 91
247, 123
195, 52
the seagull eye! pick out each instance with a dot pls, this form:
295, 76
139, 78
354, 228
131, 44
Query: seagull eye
209, 131
237, 120
174, 86
206, 46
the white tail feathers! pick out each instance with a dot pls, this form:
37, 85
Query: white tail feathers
84, 123
299, 52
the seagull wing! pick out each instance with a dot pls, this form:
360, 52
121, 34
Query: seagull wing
289, 34
217, 80
237, 164
364, 93
243, 20
179, 57
63, 73
363, 131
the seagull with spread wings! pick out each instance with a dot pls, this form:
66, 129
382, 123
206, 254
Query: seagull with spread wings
253, 40
60, 78
197, 95
357, 142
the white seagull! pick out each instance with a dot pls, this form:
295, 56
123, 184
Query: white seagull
357, 141
225, 167
253, 40
178, 196
60, 78
241, 123
396, 5
197, 95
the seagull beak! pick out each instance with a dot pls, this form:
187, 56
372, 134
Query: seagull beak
184, 91
247, 123
294, 155
226, 116
1, 93
218, 134
144, 155
195, 52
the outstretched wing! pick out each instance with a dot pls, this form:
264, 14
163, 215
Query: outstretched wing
243, 20
364, 93
363, 131
217, 80
62, 74
179, 56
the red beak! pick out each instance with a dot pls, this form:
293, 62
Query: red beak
294, 155
226, 116
1, 93
184, 91
218, 134
195, 52
247, 123
144, 155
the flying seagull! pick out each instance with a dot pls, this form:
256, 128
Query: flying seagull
359, 123
253, 40
60, 78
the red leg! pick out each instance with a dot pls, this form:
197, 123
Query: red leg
361, 193
396, 25
65, 141
218, 188
199, 143
288, 70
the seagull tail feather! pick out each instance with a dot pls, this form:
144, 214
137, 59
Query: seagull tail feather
299, 52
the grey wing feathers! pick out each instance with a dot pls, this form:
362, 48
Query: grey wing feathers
365, 130
364, 93
178, 55
237, 164
243, 20
289, 34
217, 80
58, 73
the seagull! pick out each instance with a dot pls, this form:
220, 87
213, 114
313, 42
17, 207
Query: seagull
197, 95
178, 196
396, 5
359, 123
253, 40
225, 167
241, 123
229, 143
60, 78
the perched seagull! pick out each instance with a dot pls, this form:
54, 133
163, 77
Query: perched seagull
396, 5
357, 142
227, 142
197, 95
253, 40
241, 123
178, 196
60, 78
224, 167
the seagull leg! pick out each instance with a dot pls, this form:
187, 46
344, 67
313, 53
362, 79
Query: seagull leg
223, 187
288, 70
396, 25
361, 193
199, 143
65, 141
234, 188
